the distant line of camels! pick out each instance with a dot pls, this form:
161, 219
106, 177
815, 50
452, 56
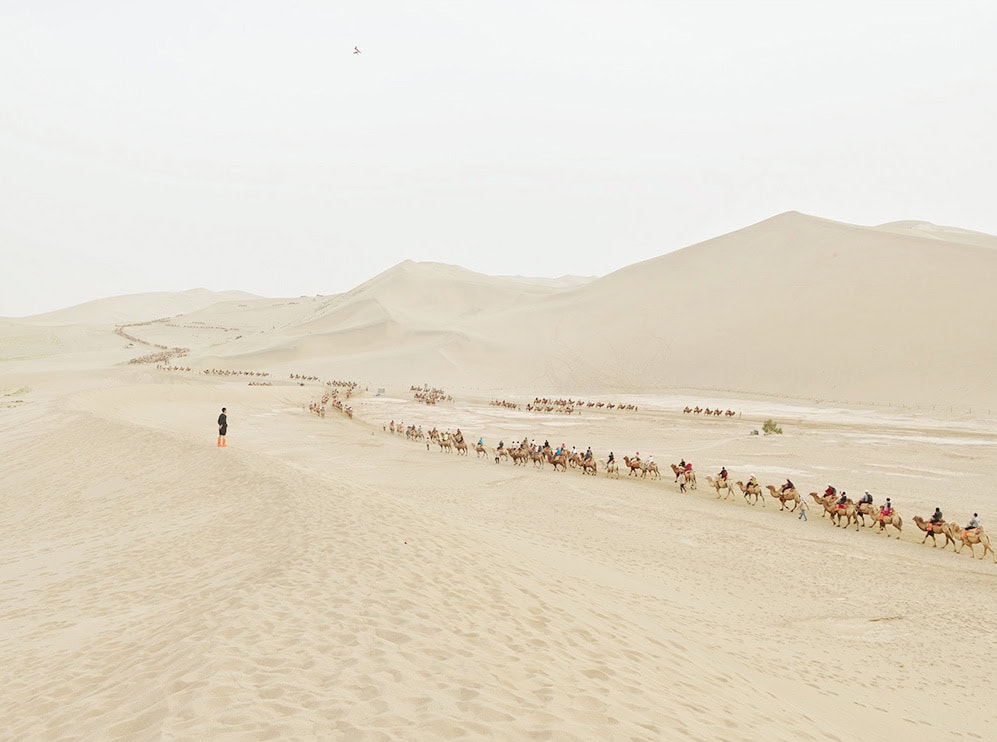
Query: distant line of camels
564, 406
165, 354
707, 411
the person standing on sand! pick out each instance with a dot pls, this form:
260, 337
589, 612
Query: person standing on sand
803, 509
222, 429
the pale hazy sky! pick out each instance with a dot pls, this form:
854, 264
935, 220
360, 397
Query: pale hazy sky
242, 145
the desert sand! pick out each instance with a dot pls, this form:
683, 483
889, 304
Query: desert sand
322, 577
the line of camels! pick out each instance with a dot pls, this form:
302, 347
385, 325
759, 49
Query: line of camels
842, 516
430, 395
564, 406
707, 411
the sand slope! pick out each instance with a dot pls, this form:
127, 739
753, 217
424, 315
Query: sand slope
320, 579
795, 306
136, 307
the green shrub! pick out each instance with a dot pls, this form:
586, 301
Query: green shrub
771, 427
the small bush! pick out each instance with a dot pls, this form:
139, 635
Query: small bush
771, 427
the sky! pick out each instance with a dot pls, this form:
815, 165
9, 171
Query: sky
243, 145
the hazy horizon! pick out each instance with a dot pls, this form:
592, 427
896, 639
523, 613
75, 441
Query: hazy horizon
233, 147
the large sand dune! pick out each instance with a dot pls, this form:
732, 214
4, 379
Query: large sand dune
795, 306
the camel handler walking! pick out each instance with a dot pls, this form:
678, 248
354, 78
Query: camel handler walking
803, 510
222, 429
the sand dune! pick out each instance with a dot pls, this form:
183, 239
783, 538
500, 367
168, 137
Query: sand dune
137, 307
794, 306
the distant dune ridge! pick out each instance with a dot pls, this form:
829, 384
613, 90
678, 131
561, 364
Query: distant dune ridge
137, 307
795, 306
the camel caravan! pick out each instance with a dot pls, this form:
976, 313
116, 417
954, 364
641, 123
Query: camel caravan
568, 406
430, 395
200, 326
504, 403
302, 377
697, 410
221, 372
233, 372
330, 398
350, 386
164, 355
841, 510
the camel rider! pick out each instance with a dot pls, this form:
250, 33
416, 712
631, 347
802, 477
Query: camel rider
936, 517
500, 445
723, 473
611, 458
974, 522
481, 441
682, 464
637, 456
546, 443
843, 500
557, 451
866, 499
830, 491
588, 453
752, 481
650, 459
887, 510
688, 468
788, 485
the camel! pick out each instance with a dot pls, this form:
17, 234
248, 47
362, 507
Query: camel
934, 529
687, 410
866, 509
559, 460
689, 477
589, 466
974, 537
635, 465
826, 502
652, 468
752, 490
721, 484
612, 468
784, 497
480, 450
519, 456
503, 453
538, 459
849, 511
461, 447
445, 445
846, 511
893, 519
